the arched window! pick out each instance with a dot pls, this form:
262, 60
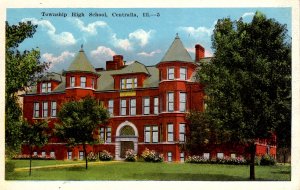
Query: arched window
127, 131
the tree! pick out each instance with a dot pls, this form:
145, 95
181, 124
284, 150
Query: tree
79, 119
248, 81
36, 134
22, 70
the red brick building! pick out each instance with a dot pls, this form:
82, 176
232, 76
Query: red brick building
148, 104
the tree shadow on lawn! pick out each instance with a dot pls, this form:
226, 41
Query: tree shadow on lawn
187, 177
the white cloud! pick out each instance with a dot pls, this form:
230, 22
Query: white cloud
197, 32
91, 28
151, 54
63, 38
103, 53
49, 57
248, 14
139, 37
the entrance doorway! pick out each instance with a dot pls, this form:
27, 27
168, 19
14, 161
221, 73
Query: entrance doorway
126, 145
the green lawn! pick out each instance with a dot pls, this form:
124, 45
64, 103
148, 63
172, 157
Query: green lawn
148, 171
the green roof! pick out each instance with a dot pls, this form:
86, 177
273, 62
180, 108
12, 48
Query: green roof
135, 67
177, 52
81, 63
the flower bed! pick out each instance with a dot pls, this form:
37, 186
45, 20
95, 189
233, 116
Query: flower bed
34, 157
130, 156
152, 156
105, 156
226, 160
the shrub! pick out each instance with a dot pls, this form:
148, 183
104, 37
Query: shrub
92, 156
231, 161
130, 156
152, 156
9, 167
105, 156
37, 157
197, 159
267, 160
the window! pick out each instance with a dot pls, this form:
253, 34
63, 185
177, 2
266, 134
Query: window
123, 107
46, 87
151, 134
171, 73
36, 110
52, 154
111, 107
93, 83
35, 153
181, 132
155, 105
45, 109
220, 155
128, 83
206, 155
108, 134
72, 81
170, 101
182, 101
69, 155
102, 134
233, 155
146, 104
132, 107
169, 156
182, 73
181, 156
80, 156
170, 132
53, 109
82, 82
43, 154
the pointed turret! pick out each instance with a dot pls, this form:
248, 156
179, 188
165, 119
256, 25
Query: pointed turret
81, 63
177, 52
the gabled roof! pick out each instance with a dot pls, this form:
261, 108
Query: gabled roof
177, 52
135, 67
51, 76
81, 63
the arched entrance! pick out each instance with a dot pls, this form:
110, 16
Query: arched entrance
126, 138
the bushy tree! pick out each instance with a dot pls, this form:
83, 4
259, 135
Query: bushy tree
248, 81
78, 121
22, 69
35, 134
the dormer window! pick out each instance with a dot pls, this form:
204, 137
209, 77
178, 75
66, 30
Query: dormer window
82, 82
171, 73
128, 83
46, 87
72, 81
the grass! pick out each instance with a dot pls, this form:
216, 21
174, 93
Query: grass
148, 171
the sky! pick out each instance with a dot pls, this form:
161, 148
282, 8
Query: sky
138, 38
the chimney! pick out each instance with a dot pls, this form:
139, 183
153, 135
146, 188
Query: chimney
118, 59
199, 52
111, 65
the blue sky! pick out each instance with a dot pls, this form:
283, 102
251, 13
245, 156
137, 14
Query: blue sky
145, 39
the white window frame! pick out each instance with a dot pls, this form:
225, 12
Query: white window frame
72, 81
36, 109
80, 155
220, 155
123, 83
43, 154
34, 153
52, 154
146, 105
233, 155
45, 109
182, 129
151, 134
111, 107
182, 101
123, 106
182, 157
69, 155
44, 87
171, 73
53, 109
156, 105
49, 87
206, 155
170, 104
183, 73
108, 135
170, 157
170, 131
133, 106
83, 82
93, 83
